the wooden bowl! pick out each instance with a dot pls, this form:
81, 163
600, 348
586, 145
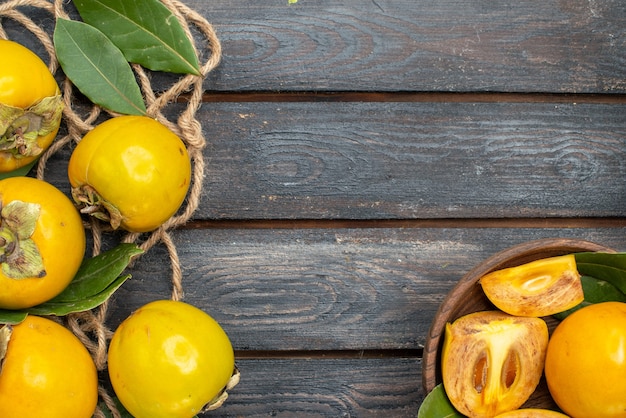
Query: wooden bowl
467, 296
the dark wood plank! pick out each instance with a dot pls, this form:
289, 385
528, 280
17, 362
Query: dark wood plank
413, 160
328, 289
409, 160
408, 45
325, 388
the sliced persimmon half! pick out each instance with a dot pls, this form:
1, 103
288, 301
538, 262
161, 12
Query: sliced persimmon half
491, 362
538, 288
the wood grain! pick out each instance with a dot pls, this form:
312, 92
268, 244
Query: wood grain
408, 45
414, 160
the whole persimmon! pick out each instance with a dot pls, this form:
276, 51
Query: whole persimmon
130, 171
169, 359
42, 242
30, 106
46, 372
586, 362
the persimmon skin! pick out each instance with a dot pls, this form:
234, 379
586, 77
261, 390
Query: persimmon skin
169, 359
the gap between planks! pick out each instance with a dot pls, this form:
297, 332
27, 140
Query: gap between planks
328, 354
401, 96
408, 223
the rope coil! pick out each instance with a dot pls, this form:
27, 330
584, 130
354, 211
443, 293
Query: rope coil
89, 326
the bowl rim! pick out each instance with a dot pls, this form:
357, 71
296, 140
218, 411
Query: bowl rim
515, 255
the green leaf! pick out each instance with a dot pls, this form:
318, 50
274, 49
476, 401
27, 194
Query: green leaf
97, 273
603, 278
595, 291
12, 317
97, 67
437, 405
610, 267
145, 31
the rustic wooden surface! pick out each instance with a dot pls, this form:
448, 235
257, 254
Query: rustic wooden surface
362, 157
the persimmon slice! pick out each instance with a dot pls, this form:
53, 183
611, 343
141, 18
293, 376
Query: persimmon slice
539, 288
492, 361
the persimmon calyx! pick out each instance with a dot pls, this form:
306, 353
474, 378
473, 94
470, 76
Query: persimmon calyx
19, 255
20, 128
91, 203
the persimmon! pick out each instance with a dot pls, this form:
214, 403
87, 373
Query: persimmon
30, 106
585, 364
42, 242
47, 372
169, 359
130, 171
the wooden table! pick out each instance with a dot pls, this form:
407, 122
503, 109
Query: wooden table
362, 157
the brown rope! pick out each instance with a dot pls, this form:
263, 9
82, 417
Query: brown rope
90, 326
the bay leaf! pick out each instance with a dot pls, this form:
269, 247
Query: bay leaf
85, 304
145, 31
617, 260
97, 67
97, 273
437, 405
12, 317
610, 267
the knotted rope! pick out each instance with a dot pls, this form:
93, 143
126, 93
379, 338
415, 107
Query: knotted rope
90, 326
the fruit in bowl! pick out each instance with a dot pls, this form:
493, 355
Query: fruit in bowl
533, 272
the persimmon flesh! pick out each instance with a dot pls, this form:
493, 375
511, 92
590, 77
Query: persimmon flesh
492, 361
